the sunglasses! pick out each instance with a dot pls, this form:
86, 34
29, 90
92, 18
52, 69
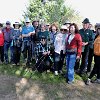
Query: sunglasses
63, 29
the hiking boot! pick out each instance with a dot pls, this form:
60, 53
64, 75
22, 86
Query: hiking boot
88, 81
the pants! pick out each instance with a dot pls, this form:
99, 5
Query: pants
43, 63
84, 59
2, 53
90, 57
6, 49
27, 51
70, 61
96, 69
58, 61
16, 55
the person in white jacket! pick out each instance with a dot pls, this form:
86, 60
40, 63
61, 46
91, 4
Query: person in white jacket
59, 45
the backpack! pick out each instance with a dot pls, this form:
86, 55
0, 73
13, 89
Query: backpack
97, 46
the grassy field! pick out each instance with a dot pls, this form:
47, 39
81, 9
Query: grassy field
22, 71
21, 83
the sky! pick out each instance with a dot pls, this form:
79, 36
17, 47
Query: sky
12, 10
87, 9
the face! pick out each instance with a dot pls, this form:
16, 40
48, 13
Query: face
36, 23
64, 31
43, 41
16, 26
72, 29
8, 25
43, 28
54, 29
27, 23
86, 26
98, 30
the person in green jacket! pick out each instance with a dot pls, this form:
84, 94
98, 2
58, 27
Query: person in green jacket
87, 38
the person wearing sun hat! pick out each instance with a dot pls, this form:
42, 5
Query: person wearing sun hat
87, 38
16, 43
27, 31
59, 45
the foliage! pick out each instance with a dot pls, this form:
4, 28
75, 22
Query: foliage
51, 11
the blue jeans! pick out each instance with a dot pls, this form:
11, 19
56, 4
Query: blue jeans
6, 49
70, 61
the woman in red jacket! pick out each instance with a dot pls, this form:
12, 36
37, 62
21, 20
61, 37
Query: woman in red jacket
73, 50
1, 44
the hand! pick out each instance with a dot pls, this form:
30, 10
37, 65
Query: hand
48, 52
45, 53
78, 57
84, 43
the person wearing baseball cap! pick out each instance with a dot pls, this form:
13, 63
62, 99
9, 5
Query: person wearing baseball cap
27, 31
87, 38
8, 31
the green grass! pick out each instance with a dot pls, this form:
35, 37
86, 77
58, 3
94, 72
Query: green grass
21, 71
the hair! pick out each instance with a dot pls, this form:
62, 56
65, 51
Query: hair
55, 25
1, 25
76, 27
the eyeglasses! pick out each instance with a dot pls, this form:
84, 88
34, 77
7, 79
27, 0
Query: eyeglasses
63, 29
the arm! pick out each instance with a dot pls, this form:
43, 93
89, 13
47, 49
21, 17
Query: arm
79, 46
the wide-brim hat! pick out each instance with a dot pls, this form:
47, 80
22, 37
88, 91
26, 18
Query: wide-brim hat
17, 23
85, 21
63, 27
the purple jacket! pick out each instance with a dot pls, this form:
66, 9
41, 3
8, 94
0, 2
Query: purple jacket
8, 34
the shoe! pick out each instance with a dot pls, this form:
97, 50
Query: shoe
97, 81
1, 62
18, 64
56, 73
13, 64
60, 71
70, 82
88, 81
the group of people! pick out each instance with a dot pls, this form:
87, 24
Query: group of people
52, 47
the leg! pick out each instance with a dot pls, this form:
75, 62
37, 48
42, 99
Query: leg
71, 63
90, 57
6, 48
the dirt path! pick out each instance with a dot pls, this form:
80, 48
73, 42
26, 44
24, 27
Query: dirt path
13, 88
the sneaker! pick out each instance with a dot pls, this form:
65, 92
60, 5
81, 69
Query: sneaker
88, 81
97, 81
18, 64
70, 82
56, 73
13, 64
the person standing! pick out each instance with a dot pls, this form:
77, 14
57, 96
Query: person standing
17, 41
59, 45
73, 51
1, 44
8, 31
27, 32
96, 69
87, 38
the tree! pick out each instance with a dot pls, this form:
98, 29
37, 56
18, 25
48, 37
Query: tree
50, 11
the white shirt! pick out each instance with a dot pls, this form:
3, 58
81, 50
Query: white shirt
59, 43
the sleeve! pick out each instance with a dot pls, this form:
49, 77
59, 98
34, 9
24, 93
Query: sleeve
79, 45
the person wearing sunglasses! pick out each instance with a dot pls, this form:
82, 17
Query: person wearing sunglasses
59, 45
